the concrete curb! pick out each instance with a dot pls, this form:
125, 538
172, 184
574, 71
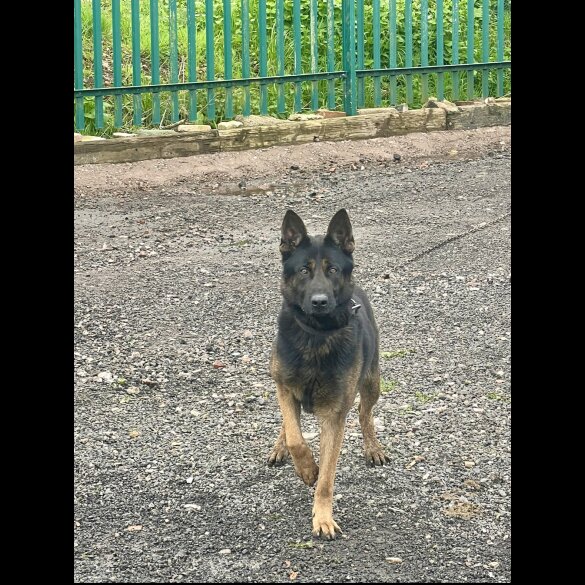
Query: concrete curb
372, 125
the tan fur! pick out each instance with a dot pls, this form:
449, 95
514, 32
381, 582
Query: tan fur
300, 452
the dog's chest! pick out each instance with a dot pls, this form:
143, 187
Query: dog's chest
316, 380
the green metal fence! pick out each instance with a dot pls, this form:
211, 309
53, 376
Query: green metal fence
156, 62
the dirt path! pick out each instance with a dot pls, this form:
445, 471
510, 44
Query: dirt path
177, 267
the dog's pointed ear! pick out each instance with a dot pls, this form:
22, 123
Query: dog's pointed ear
293, 232
340, 232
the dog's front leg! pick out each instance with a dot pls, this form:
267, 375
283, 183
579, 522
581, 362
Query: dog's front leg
332, 428
300, 452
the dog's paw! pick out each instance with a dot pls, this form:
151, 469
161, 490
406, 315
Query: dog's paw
375, 456
278, 455
309, 472
324, 526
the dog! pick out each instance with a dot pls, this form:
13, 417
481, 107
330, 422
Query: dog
326, 350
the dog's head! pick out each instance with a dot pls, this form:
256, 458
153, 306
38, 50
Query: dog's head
317, 270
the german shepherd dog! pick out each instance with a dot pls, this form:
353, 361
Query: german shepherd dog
325, 352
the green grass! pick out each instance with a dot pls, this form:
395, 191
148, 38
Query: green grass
238, 93
388, 355
423, 398
387, 385
301, 545
498, 396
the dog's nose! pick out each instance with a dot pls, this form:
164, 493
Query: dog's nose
319, 301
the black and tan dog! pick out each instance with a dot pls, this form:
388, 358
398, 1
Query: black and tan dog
325, 352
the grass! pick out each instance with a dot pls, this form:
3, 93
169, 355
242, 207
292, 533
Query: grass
200, 114
423, 398
388, 355
301, 545
387, 385
498, 396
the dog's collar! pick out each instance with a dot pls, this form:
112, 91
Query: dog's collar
354, 309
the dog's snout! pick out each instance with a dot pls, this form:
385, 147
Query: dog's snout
319, 301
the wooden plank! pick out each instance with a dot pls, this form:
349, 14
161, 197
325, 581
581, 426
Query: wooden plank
480, 116
375, 125
146, 147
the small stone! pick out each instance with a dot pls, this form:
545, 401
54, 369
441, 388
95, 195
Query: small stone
247, 334
229, 125
189, 479
193, 128
309, 436
446, 105
134, 528
134, 434
394, 560
402, 108
304, 117
225, 551
294, 167
218, 364
155, 132
396, 157
77, 137
365, 111
192, 506
469, 464
330, 113
106, 377
253, 121
133, 390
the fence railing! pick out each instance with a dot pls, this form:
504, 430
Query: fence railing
156, 62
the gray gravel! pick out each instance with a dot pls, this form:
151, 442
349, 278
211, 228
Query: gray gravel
170, 477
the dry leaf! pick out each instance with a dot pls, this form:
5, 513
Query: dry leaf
293, 575
464, 510
133, 434
394, 560
134, 528
417, 459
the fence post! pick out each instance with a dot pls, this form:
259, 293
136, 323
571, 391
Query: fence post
349, 57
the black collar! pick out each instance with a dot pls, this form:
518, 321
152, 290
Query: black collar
353, 309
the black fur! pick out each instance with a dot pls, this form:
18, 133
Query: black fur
316, 350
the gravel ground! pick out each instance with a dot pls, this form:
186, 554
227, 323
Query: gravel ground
177, 273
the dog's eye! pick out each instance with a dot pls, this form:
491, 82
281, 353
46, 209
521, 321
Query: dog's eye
304, 270
332, 269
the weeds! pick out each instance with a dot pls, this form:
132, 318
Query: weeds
455, 85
